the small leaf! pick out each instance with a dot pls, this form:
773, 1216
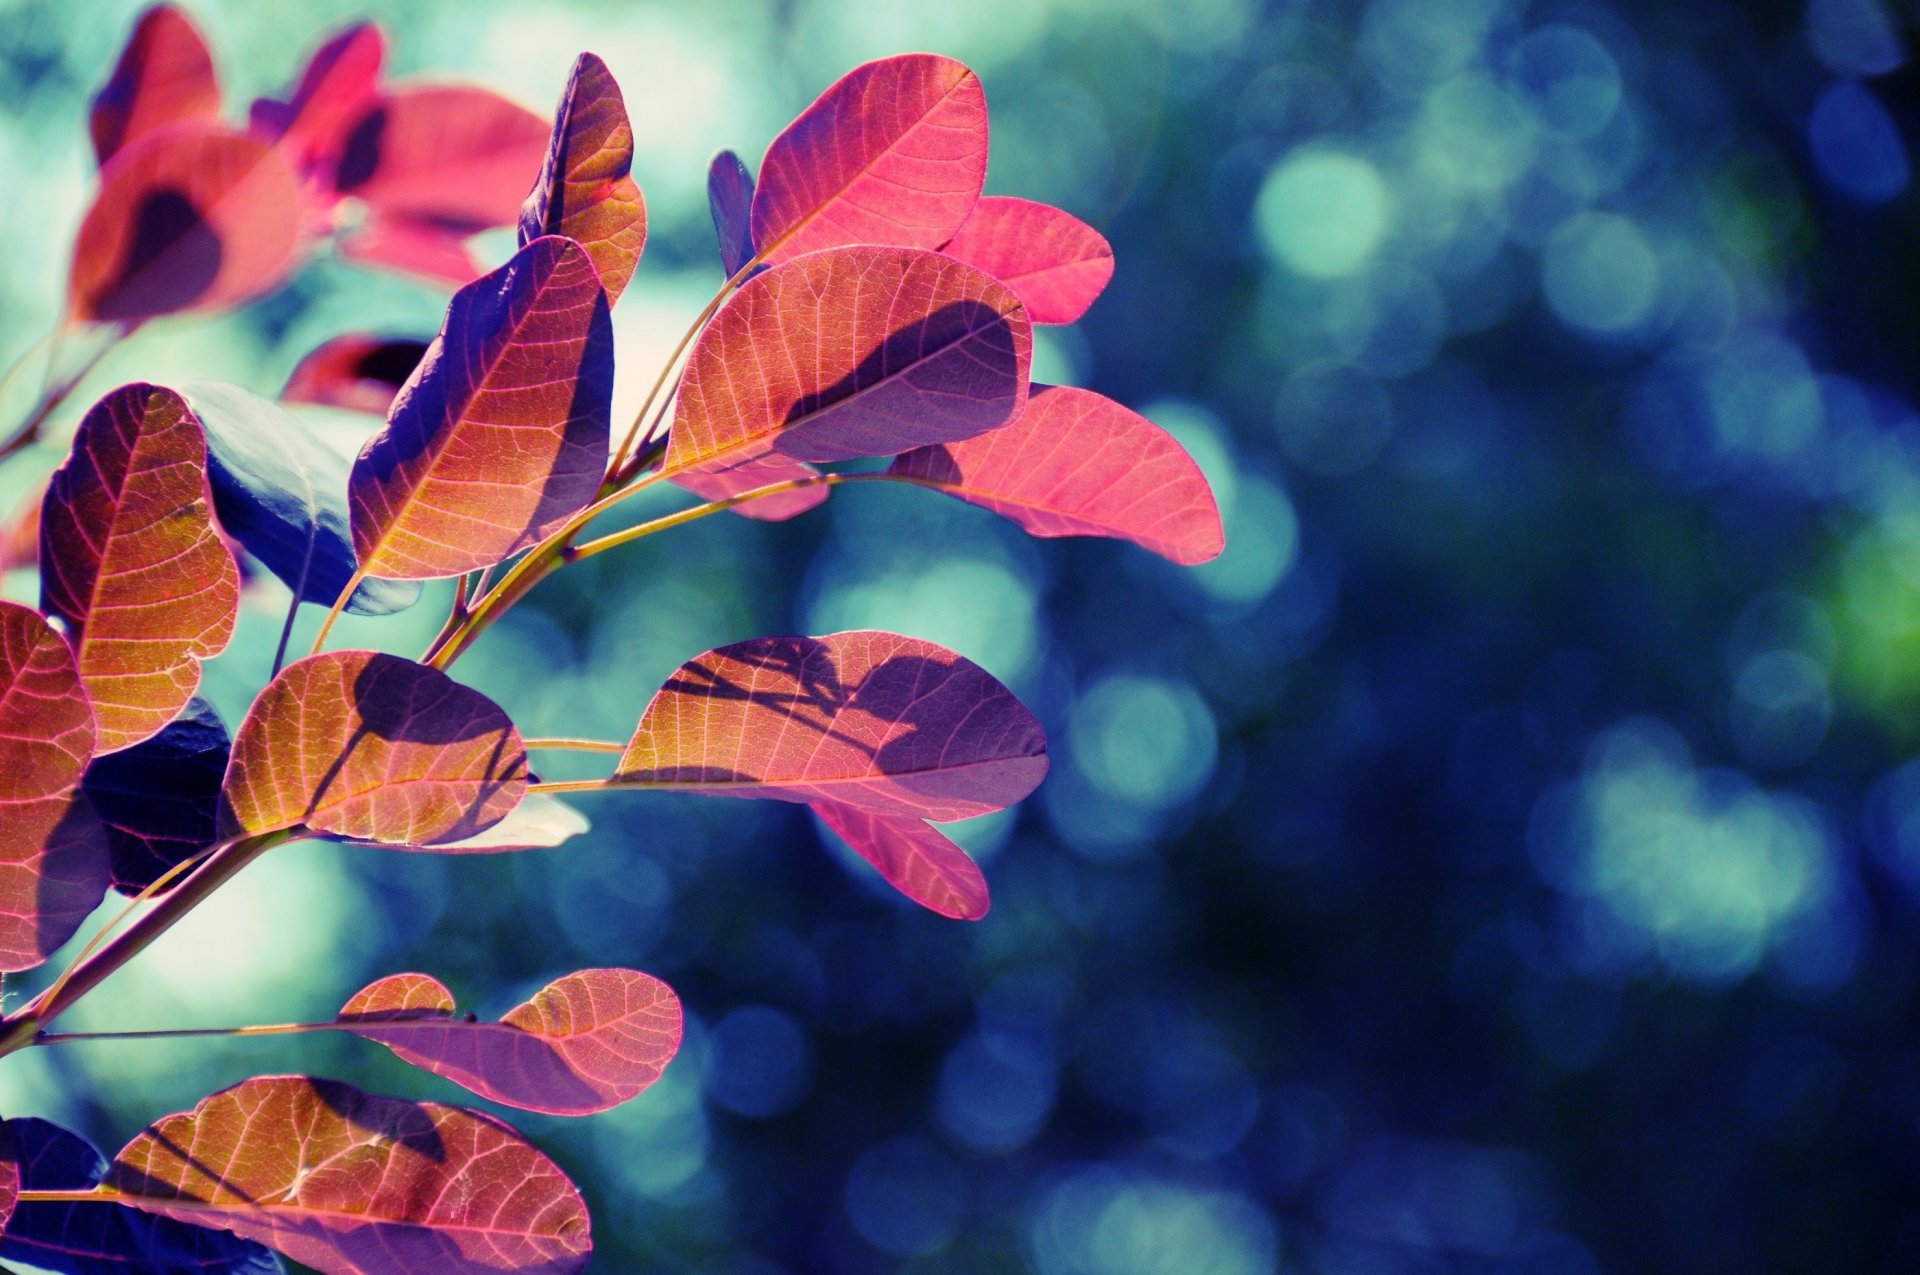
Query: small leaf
887, 724
730, 203
164, 76
586, 189
189, 218
1054, 262
372, 747
1074, 463
893, 153
501, 433
447, 155
159, 800
583, 1043
539, 822
916, 858
412, 247
357, 372
340, 82
848, 353
131, 563
344, 1181
761, 471
282, 493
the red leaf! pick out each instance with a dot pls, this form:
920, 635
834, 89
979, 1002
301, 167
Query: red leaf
131, 563
190, 218
341, 80
893, 153
374, 748
501, 433
1054, 262
358, 372
888, 724
344, 1181
916, 858
583, 1043
1076, 464
413, 247
586, 190
53, 856
164, 76
761, 471
730, 203
852, 352
451, 156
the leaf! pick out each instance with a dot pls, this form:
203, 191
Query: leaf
344, 1181
158, 801
358, 372
104, 1238
888, 724
583, 1043
761, 471
848, 353
730, 203
189, 218
501, 433
916, 858
451, 156
9, 1177
130, 561
1054, 262
1074, 463
372, 747
539, 822
164, 76
895, 152
282, 493
53, 859
586, 190
340, 82
413, 247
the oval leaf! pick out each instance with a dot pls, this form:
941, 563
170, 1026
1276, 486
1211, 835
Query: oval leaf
916, 858
447, 155
583, 1043
164, 76
730, 203
852, 352
131, 563
356, 372
340, 82
761, 471
586, 189
501, 433
894, 152
186, 219
374, 748
1075, 463
159, 801
53, 859
1054, 262
888, 724
345, 1181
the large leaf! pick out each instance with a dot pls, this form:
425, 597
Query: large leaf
1074, 463
539, 822
105, 1239
129, 560
852, 352
916, 858
452, 156
413, 247
1054, 262
188, 218
358, 372
583, 1043
501, 433
159, 800
348, 1182
375, 748
164, 76
53, 858
340, 82
893, 153
761, 471
282, 493
730, 203
887, 724
586, 189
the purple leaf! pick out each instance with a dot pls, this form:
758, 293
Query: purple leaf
1054, 262
159, 800
586, 189
730, 202
164, 76
340, 82
916, 858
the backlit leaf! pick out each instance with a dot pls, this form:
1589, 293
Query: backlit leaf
372, 747
413, 247
890, 725
761, 471
583, 1043
1054, 262
359, 373
344, 1181
848, 353
448, 155
893, 153
501, 433
339, 83
1074, 463
539, 822
916, 858
189, 218
53, 858
129, 560
159, 800
586, 190
164, 76
730, 203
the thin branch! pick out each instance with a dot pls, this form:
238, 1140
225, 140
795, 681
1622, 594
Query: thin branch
577, 745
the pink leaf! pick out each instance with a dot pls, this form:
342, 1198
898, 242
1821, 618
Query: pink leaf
1076, 464
586, 189
893, 153
916, 858
164, 76
888, 724
762, 471
1054, 262
341, 81
583, 1043
450, 156
413, 247
358, 372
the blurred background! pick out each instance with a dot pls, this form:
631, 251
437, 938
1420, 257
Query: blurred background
1505, 858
